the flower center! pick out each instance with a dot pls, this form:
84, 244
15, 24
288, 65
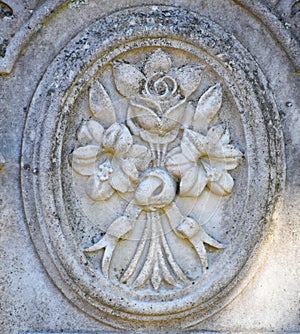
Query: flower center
213, 174
161, 85
104, 170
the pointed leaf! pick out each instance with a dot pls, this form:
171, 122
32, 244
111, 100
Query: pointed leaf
128, 79
223, 186
158, 61
145, 117
208, 106
100, 104
188, 77
84, 158
173, 117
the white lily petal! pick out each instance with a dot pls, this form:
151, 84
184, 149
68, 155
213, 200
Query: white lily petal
195, 189
84, 159
119, 180
223, 186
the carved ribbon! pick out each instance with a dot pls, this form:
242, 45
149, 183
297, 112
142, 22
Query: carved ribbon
188, 228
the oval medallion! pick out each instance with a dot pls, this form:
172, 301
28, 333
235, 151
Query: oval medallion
156, 163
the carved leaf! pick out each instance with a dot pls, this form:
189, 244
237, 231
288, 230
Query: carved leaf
158, 61
145, 117
91, 132
84, 158
208, 106
188, 77
128, 79
173, 116
101, 105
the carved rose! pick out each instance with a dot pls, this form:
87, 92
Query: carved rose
111, 160
158, 93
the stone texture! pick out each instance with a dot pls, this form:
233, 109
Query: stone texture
264, 302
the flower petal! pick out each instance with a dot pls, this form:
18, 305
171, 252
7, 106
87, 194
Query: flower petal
177, 164
158, 61
193, 145
193, 182
84, 158
119, 180
188, 77
223, 186
117, 138
221, 163
90, 132
228, 151
141, 156
124, 141
100, 104
208, 106
218, 134
98, 190
128, 167
128, 79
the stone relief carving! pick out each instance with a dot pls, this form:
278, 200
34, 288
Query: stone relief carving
158, 98
137, 150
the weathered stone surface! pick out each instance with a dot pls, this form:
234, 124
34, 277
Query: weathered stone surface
149, 166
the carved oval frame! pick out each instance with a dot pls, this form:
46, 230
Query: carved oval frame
42, 146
